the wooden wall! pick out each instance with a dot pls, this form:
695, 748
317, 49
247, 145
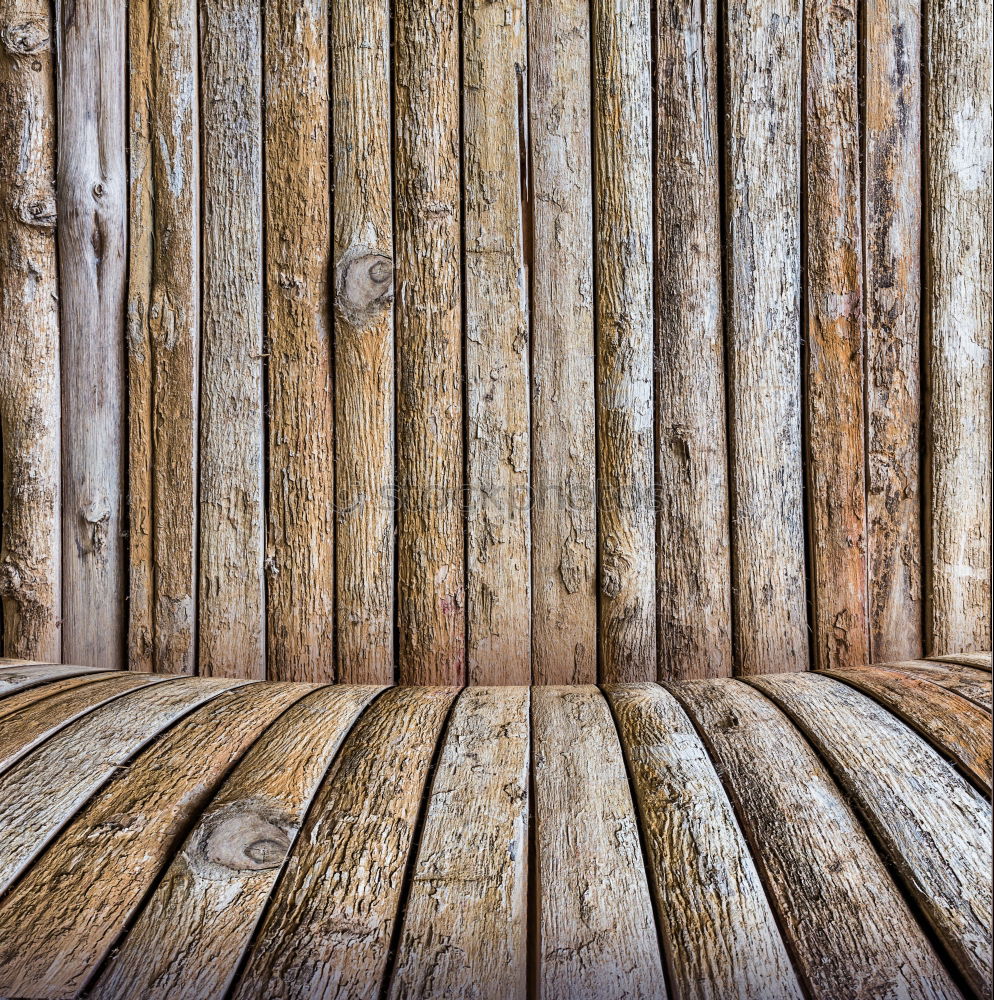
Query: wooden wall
497, 342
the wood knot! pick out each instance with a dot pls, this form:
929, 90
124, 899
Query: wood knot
364, 284
25, 38
246, 836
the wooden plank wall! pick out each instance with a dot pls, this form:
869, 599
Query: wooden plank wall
538, 341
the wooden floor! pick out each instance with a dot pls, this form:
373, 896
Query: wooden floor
793, 836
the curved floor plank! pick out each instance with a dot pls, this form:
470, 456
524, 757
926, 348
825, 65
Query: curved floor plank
967, 682
190, 935
596, 932
327, 930
982, 661
720, 934
466, 915
852, 935
935, 827
16, 676
30, 696
60, 920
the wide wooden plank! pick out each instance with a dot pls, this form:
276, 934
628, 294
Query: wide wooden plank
982, 661
20, 675
466, 916
975, 685
594, 920
934, 828
15, 702
498, 524
564, 539
63, 917
93, 223
762, 149
850, 930
30, 404
720, 934
232, 600
328, 926
364, 341
431, 613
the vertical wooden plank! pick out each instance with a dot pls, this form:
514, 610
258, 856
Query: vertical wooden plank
300, 542
623, 278
692, 549
891, 297
430, 542
163, 333
93, 206
564, 541
958, 326
364, 341
30, 485
498, 539
232, 628
833, 323
763, 81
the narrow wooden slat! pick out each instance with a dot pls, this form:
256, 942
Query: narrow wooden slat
61, 919
328, 927
364, 341
719, 931
18, 677
564, 540
692, 547
93, 223
974, 685
30, 406
431, 614
958, 283
163, 333
232, 600
466, 917
833, 325
494, 145
300, 540
763, 74
851, 932
15, 702
892, 306
595, 926
935, 828
982, 661
623, 233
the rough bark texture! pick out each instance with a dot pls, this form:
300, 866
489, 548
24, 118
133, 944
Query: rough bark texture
15, 702
971, 684
18, 675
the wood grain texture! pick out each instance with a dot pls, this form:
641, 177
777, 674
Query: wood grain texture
15, 702
762, 149
693, 571
974, 685
30, 403
623, 235
851, 935
958, 281
300, 556
465, 921
494, 152
351, 856
163, 333
231, 596
92, 207
563, 442
720, 934
892, 309
17, 676
431, 604
596, 936
982, 661
934, 828
833, 323
364, 340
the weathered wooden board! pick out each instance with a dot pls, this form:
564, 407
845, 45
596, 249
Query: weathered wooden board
982, 661
719, 931
594, 933
972, 684
850, 935
19, 676
15, 702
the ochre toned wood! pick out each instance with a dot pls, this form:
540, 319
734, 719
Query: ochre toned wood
715, 920
594, 933
465, 922
15, 702
431, 602
564, 539
364, 341
163, 333
30, 405
852, 935
971, 684
17, 676
93, 227
622, 153
232, 600
494, 153
982, 661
